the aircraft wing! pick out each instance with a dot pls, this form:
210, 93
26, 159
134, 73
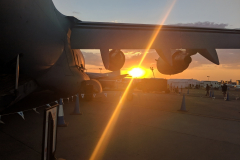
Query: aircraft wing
105, 36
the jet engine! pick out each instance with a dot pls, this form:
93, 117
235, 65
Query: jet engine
97, 87
116, 59
180, 62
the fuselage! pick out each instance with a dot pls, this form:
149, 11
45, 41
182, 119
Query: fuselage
41, 35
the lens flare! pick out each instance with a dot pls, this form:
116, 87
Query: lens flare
103, 141
155, 33
136, 72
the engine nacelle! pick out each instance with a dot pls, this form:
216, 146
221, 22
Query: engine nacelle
97, 87
116, 59
180, 62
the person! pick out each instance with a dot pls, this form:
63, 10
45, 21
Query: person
207, 89
224, 89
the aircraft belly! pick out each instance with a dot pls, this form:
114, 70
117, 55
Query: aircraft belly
62, 84
63, 77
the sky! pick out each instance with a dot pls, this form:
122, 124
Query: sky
202, 13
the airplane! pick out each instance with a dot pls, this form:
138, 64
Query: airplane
105, 79
115, 75
40, 47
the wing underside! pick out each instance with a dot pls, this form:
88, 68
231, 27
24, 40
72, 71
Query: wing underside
94, 35
105, 36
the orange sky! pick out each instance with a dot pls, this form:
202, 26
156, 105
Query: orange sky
200, 67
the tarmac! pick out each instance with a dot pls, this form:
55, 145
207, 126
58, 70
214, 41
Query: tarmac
148, 127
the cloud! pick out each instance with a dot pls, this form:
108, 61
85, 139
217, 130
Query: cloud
228, 58
205, 24
133, 57
92, 58
131, 53
74, 12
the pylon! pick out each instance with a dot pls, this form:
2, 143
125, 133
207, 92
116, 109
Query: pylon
183, 106
228, 99
61, 121
77, 108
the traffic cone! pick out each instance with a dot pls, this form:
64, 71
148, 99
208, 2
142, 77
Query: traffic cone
183, 106
61, 121
228, 99
77, 108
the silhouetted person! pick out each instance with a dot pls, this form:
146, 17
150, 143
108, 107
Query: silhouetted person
207, 89
224, 89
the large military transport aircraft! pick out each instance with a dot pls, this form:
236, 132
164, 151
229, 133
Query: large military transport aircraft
40, 47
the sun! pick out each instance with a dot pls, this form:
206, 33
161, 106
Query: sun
136, 72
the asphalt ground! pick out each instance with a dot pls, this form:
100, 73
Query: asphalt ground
148, 127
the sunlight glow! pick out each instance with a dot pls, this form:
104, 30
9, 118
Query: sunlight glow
136, 72
103, 141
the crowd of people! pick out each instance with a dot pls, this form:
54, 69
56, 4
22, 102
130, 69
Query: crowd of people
224, 89
208, 89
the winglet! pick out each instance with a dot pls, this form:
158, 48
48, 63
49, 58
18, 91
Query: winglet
210, 54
